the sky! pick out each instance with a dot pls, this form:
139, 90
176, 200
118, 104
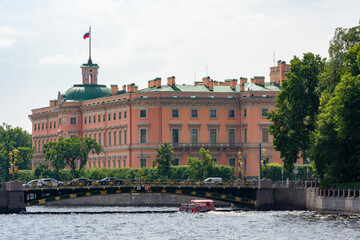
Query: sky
133, 41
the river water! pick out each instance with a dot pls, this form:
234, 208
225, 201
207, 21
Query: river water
137, 223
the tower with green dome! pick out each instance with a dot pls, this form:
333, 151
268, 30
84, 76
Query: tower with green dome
89, 89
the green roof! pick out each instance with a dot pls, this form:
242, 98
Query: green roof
81, 92
225, 88
89, 64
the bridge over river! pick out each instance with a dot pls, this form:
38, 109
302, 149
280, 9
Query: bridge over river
238, 193
262, 195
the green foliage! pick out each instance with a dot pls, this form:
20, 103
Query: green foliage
273, 172
177, 172
336, 141
42, 171
73, 152
11, 138
354, 186
163, 159
296, 108
204, 167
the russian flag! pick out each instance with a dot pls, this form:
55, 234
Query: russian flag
86, 35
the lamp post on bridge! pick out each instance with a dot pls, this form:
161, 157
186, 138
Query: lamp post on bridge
240, 166
263, 160
13, 160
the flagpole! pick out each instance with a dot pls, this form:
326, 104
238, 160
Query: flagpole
90, 42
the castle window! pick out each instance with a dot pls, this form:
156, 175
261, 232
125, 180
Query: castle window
175, 135
143, 135
175, 113
119, 115
232, 162
265, 135
264, 112
213, 135
73, 121
212, 113
194, 113
114, 116
194, 135
143, 113
231, 136
231, 113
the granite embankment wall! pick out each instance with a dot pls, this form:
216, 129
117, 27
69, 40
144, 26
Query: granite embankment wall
309, 198
333, 200
12, 197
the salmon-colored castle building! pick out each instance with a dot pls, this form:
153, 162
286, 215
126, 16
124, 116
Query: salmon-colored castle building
224, 117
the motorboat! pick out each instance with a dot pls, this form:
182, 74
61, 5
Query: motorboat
198, 206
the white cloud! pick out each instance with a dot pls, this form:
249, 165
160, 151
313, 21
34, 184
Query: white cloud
6, 42
6, 33
60, 59
7, 30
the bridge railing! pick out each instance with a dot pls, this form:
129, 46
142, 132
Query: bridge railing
182, 182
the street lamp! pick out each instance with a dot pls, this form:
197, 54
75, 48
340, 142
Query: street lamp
263, 160
295, 170
240, 164
307, 173
13, 160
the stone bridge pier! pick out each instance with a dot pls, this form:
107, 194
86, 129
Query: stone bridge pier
12, 197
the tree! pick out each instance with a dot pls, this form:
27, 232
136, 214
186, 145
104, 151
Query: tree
163, 160
341, 42
296, 107
42, 171
11, 138
201, 169
73, 152
336, 140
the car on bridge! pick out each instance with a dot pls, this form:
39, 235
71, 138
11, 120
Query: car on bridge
49, 182
81, 181
32, 183
111, 180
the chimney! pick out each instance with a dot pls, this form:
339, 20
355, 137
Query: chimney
228, 82
216, 83
222, 84
259, 80
131, 88
242, 87
206, 81
136, 88
252, 80
158, 82
211, 85
243, 80
149, 83
197, 83
233, 84
124, 88
171, 81
114, 90
53, 103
